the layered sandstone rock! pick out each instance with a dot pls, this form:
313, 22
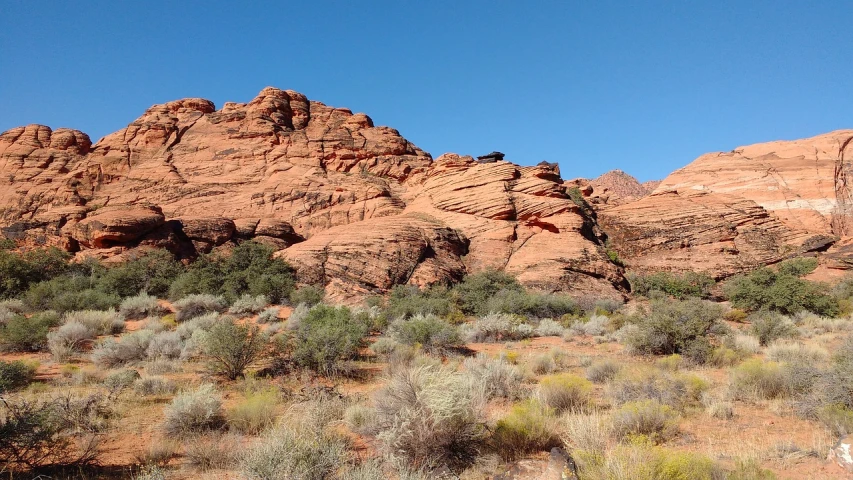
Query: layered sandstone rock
354, 206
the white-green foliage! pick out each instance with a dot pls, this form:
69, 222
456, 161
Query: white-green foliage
384, 346
202, 322
602, 371
102, 322
428, 415
796, 353
165, 345
132, 347
497, 377
549, 328
139, 306
495, 327
595, 326
69, 338
269, 315
194, 411
248, 305
154, 385
196, 305
297, 315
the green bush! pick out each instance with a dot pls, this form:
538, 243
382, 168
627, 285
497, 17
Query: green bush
69, 292
770, 326
680, 286
248, 305
255, 413
327, 336
196, 305
151, 272
529, 427
310, 295
20, 270
780, 291
675, 390
250, 268
758, 379
475, 291
531, 305
231, 348
408, 300
22, 334
15, 375
682, 327
429, 331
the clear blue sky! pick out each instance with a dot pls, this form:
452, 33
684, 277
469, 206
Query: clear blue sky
641, 86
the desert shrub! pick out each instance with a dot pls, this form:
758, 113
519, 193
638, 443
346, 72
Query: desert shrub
154, 385
769, 326
248, 305
197, 305
408, 300
564, 392
724, 356
495, 327
529, 426
797, 267
20, 270
649, 418
475, 291
360, 418
549, 328
326, 337
746, 344
543, 363
166, 345
749, 469
15, 375
681, 327
194, 411
530, 305
309, 295
132, 348
121, 379
101, 322
796, 353
140, 306
499, 378
680, 286
150, 272
781, 291
428, 331
594, 326
68, 293
255, 413
162, 366
587, 432
294, 452
675, 390
22, 334
202, 322
63, 430
602, 371
735, 315
250, 268
213, 451
640, 460
384, 346
69, 338
755, 378
718, 407
671, 363
268, 315
429, 415
231, 348
837, 417
296, 316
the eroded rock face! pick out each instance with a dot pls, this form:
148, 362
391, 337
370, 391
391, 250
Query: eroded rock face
354, 206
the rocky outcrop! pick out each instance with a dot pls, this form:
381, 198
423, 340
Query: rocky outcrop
354, 206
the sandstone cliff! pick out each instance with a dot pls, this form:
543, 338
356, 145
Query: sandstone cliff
353, 206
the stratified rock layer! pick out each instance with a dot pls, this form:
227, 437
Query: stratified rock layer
353, 206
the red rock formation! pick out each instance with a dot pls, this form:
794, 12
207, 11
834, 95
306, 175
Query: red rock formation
353, 206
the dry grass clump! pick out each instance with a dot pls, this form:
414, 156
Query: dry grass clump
543, 363
499, 378
718, 406
213, 451
69, 339
495, 327
255, 413
796, 352
530, 426
675, 390
648, 418
602, 371
564, 392
132, 348
588, 432
429, 415
756, 379
360, 418
642, 461
194, 412
101, 322
154, 385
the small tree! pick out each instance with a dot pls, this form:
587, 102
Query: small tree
232, 348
